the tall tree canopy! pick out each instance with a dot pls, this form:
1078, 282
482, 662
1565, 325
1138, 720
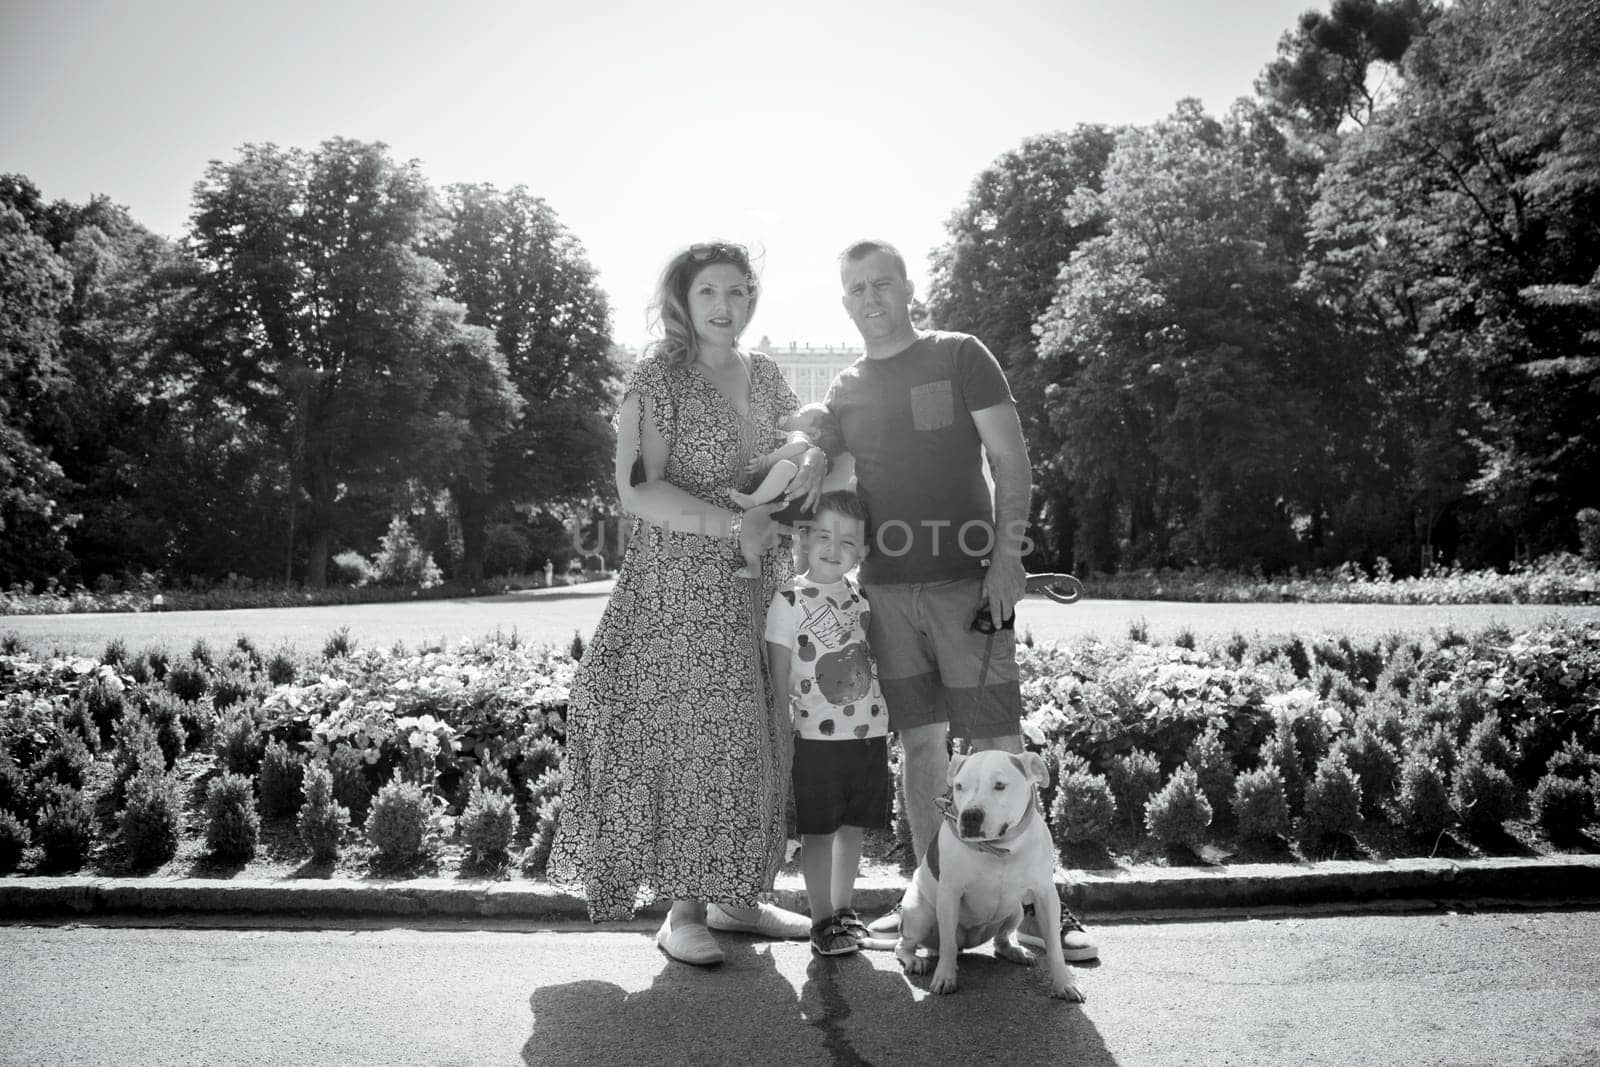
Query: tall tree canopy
323, 319
526, 279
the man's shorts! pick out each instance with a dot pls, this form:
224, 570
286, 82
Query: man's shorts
930, 660
841, 783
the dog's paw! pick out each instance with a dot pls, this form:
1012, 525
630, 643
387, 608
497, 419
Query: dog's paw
942, 983
916, 964
1067, 990
1010, 950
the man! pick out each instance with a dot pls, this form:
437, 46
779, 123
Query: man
919, 413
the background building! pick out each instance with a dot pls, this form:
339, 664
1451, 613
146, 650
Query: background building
808, 368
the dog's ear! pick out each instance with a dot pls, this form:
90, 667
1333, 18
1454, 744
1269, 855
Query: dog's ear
955, 767
1032, 765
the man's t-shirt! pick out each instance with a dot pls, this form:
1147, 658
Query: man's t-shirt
833, 682
907, 420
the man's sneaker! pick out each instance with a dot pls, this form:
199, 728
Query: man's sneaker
830, 938
1076, 944
887, 923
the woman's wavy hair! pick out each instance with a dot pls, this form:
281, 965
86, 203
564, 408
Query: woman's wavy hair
678, 344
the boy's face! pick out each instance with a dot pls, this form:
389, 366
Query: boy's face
834, 544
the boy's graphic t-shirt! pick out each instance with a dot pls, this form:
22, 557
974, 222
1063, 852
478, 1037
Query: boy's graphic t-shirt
833, 682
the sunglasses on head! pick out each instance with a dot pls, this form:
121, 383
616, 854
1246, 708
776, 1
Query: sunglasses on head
700, 253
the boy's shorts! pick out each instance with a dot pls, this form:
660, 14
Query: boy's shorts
930, 660
841, 783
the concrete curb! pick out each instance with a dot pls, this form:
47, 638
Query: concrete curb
1561, 879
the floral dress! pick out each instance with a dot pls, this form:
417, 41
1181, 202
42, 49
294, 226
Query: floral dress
676, 769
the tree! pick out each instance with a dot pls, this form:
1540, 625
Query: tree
525, 279
34, 287
325, 322
1465, 220
1196, 413
996, 274
1322, 75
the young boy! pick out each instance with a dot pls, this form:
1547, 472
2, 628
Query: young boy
823, 674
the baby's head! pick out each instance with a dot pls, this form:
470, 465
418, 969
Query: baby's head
823, 426
835, 537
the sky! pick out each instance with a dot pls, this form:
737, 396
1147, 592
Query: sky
646, 126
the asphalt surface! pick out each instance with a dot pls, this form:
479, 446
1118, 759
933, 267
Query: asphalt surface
552, 616
1438, 987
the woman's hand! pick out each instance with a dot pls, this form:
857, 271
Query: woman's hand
807, 482
757, 531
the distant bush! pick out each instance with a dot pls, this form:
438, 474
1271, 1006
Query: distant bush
1179, 814
323, 822
232, 825
488, 825
350, 785
1083, 808
1213, 767
1259, 804
188, 678
397, 825
281, 667
402, 561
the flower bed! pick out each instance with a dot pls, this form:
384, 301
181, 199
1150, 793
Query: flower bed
449, 760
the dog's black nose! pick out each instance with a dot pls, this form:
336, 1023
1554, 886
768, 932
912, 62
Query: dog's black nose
972, 822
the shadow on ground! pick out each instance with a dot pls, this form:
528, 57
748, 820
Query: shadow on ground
849, 1010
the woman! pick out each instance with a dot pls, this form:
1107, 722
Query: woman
676, 769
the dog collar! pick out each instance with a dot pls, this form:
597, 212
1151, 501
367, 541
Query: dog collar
998, 846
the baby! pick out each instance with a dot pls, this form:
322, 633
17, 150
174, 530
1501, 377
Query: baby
771, 473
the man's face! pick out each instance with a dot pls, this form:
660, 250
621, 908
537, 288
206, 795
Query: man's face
876, 297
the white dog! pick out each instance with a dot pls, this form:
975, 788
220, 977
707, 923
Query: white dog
992, 855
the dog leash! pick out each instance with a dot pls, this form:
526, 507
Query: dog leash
1062, 588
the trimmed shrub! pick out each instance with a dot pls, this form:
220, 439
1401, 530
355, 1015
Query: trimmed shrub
1260, 805
105, 704
78, 720
281, 772
65, 829
1573, 760
233, 686
137, 748
1486, 742
1180, 813
350, 785
188, 678
1083, 808
180, 727
1133, 779
1375, 764
1213, 767
397, 825
14, 792
151, 818
323, 822
1436, 746
14, 838
401, 560
1482, 795
487, 825
1333, 799
1422, 801
1563, 806
281, 669
65, 762
237, 740
1283, 752
232, 825
544, 836
339, 644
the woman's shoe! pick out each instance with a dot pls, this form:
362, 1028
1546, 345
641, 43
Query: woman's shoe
768, 921
830, 938
689, 943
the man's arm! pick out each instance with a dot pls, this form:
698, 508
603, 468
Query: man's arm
1001, 433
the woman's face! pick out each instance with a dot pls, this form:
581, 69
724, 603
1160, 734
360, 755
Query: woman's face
719, 303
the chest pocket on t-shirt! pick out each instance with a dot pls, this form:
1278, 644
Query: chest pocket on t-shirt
933, 406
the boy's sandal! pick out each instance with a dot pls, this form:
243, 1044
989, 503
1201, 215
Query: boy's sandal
830, 938
852, 924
